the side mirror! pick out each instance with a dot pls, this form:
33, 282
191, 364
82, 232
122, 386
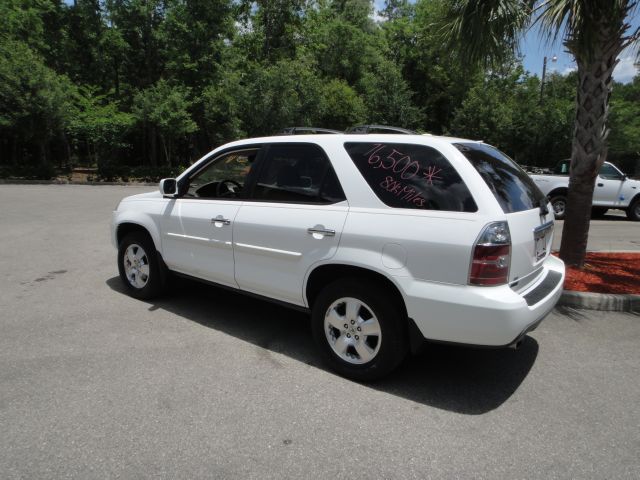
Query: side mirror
168, 187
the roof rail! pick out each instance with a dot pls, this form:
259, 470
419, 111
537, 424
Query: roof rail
379, 129
299, 130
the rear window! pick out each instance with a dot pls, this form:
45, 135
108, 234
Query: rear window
513, 188
411, 176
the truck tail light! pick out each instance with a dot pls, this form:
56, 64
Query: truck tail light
491, 256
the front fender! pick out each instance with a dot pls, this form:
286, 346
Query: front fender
141, 219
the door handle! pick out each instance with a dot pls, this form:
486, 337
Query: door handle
321, 231
221, 219
601, 184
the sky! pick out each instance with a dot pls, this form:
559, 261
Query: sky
534, 49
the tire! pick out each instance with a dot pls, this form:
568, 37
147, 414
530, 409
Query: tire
598, 212
342, 313
633, 212
559, 204
141, 268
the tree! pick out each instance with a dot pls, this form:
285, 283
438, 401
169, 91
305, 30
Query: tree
36, 104
595, 32
624, 141
100, 126
438, 81
504, 109
164, 110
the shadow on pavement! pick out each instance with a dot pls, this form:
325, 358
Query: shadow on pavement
613, 215
463, 380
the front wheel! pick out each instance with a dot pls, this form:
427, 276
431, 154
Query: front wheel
140, 266
359, 329
559, 204
633, 212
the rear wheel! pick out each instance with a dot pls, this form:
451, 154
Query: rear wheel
633, 212
559, 204
140, 267
359, 329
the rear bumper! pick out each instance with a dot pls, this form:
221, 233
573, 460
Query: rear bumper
489, 316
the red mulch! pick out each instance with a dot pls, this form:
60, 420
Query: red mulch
606, 272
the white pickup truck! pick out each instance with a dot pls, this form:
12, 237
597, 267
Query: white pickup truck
613, 190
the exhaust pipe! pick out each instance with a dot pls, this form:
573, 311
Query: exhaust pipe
516, 345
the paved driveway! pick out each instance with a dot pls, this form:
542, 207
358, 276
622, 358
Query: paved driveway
613, 232
209, 384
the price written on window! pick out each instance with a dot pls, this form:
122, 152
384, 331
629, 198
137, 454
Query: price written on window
403, 167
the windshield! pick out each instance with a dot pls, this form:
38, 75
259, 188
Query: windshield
511, 186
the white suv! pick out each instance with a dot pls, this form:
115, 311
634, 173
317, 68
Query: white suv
387, 239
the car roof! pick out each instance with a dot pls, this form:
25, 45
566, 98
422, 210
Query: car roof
425, 139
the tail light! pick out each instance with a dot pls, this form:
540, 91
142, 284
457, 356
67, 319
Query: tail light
491, 256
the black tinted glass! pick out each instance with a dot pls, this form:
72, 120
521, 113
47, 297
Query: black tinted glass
511, 186
297, 173
609, 172
411, 176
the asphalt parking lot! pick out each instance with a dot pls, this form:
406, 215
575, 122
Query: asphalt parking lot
209, 384
612, 232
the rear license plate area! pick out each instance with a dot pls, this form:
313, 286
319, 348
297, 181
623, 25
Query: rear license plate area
541, 237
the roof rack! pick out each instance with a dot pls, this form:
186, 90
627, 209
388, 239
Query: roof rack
379, 129
298, 130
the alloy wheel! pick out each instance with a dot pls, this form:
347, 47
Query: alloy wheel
352, 330
136, 266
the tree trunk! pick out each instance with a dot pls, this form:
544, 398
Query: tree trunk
117, 81
42, 151
67, 150
164, 148
589, 149
14, 151
153, 146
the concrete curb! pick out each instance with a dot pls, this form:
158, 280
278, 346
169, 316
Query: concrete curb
4, 181
600, 301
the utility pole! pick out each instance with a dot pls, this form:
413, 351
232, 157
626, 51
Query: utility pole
544, 74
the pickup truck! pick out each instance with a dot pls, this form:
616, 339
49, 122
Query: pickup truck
613, 190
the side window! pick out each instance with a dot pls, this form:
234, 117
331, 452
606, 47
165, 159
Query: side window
411, 176
562, 168
224, 177
297, 173
609, 172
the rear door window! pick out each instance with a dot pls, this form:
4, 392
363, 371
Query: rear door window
297, 173
511, 186
411, 176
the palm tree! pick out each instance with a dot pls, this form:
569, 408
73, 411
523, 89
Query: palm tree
594, 32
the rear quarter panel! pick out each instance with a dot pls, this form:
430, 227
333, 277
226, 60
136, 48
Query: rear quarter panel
430, 246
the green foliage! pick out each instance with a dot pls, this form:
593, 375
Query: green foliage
100, 125
166, 109
341, 106
110, 172
388, 98
624, 123
223, 104
507, 111
36, 104
155, 84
